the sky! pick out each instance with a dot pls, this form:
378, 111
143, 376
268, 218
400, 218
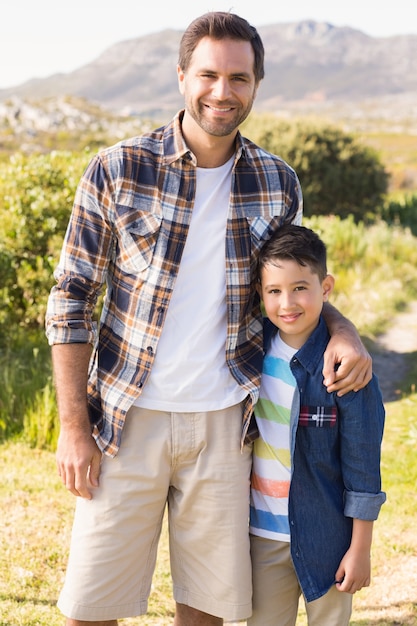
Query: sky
41, 37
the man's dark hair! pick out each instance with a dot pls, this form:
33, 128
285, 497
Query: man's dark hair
221, 25
295, 243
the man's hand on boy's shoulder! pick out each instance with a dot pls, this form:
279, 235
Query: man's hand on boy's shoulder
347, 365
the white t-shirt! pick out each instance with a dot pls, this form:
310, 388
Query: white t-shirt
190, 371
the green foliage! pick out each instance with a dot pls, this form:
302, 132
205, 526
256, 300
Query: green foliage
40, 422
402, 212
25, 367
338, 175
375, 269
36, 200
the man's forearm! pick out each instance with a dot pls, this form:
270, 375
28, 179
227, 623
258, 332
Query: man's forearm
70, 365
78, 456
336, 322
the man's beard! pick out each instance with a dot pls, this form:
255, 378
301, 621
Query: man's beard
218, 128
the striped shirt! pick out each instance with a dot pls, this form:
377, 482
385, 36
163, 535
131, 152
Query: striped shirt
271, 467
127, 231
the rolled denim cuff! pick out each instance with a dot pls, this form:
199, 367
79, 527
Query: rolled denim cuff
365, 506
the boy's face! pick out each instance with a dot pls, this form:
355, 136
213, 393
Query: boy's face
293, 297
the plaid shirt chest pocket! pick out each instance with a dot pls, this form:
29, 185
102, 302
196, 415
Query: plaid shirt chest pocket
137, 234
261, 228
318, 416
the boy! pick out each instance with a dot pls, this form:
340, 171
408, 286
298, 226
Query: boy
316, 485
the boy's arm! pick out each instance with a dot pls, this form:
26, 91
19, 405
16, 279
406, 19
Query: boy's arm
354, 571
345, 351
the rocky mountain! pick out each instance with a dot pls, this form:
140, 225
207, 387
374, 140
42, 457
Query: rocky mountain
308, 65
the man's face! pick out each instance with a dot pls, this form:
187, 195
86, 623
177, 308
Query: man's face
219, 86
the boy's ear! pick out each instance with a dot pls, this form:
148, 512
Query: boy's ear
259, 289
328, 285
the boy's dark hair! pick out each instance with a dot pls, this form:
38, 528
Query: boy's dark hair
221, 25
296, 243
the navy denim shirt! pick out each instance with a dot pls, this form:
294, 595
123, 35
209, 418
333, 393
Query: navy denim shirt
335, 462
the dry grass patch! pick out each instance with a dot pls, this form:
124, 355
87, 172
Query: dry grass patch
37, 513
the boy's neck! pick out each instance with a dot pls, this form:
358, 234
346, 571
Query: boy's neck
297, 340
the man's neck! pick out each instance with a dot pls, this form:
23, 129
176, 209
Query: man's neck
209, 150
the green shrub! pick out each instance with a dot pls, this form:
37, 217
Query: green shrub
375, 269
36, 200
339, 176
402, 212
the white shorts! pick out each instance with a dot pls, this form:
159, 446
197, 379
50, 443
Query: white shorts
193, 463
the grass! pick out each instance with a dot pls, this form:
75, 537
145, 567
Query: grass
399, 152
34, 537
37, 512
25, 365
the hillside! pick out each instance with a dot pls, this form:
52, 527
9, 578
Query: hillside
309, 66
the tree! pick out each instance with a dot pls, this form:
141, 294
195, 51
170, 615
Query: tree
338, 175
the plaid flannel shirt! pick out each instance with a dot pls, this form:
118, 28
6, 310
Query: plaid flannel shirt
126, 233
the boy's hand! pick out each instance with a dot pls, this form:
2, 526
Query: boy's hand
354, 571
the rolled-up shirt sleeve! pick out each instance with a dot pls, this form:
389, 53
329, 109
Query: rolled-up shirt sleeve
83, 263
364, 506
69, 316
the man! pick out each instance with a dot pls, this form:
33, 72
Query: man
172, 223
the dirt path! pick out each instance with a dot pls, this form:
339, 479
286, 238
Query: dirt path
389, 357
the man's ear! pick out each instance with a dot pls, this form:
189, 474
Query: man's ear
181, 79
327, 285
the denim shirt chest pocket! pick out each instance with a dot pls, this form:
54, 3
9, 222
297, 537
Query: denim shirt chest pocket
318, 416
318, 428
136, 233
